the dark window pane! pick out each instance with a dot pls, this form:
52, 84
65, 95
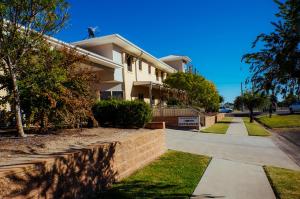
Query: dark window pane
140, 65
104, 95
129, 63
117, 94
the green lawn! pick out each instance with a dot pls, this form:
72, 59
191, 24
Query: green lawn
255, 129
281, 121
173, 175
285, 182
220, 127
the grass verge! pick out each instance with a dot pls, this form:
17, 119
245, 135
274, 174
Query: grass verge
285, 182
280, 121
254, 129
220, 127
173, 175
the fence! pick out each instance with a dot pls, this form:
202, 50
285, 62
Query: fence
174, 117
172, 112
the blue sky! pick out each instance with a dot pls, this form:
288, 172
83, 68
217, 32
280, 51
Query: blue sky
213, 33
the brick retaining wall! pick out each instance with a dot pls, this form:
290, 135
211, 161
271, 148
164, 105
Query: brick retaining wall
170, 121
209, 121
79, 173
220, 116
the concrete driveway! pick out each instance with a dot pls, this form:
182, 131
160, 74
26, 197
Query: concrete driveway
244, 149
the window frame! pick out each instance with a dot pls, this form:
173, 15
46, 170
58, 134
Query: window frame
157, 74
140, 64
129, 62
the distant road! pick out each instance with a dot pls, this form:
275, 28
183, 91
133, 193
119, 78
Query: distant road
281, 111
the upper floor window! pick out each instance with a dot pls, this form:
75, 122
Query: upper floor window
129, 60
140, 65
157, 75
149, 69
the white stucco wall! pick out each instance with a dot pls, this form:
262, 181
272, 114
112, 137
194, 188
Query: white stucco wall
103, 50
178, 65
118, 55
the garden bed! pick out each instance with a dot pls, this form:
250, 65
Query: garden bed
15, 150
74, 164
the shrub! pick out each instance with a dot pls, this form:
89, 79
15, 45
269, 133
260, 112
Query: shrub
174, 102
119, 113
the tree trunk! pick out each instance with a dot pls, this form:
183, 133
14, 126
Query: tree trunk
251, 116
16, 104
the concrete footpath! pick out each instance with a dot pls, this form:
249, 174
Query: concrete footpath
237, 127
232, 179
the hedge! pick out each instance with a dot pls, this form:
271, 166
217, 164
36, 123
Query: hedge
120, 113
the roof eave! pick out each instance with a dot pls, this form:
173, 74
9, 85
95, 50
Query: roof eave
92, 56
122, 42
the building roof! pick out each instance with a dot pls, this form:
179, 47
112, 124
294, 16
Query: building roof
176, 58
128, 46
93, 57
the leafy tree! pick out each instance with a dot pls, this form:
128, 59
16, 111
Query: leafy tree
174, 102
276, 67
200, 92
221, 99
54, 91
289, 99
23, 24
238, 103
252, 100
272, 103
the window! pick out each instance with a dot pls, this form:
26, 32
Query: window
157, 74
117, 94
140, 65
105, 95
149, 69
129, 62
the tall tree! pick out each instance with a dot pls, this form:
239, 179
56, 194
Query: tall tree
276, 67
55, 89
252, 100
23, 25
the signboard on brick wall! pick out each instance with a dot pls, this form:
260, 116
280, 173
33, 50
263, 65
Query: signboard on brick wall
189, 121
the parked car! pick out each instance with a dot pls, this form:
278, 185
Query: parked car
225, 110
295, 107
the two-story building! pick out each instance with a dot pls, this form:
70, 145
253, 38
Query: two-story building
123, 70
141, 75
